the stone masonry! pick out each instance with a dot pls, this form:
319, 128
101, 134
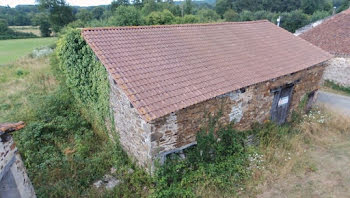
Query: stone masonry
149, 141
338, 71
14, 181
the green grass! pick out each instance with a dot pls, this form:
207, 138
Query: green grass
10, 50
336, 87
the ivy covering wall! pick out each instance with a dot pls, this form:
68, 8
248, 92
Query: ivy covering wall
87, 79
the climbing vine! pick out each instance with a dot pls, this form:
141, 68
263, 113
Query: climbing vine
87, 79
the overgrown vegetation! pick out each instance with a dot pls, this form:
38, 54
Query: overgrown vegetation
218, 163
86, 78
337, 87
61, 150
64, 156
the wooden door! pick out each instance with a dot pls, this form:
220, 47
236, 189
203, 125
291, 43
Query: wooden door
281, 103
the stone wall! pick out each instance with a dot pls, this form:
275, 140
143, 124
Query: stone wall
338, 71
148, 141
244, 107
134, 133
14, 181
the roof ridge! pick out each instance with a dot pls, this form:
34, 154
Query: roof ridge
169, 26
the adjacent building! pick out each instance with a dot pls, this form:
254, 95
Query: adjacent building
333, 36
166, 80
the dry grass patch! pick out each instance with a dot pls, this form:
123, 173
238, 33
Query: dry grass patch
308, 166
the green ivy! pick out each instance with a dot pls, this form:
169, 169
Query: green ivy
87, 79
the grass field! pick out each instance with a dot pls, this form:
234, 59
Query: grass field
10, 50
27, 29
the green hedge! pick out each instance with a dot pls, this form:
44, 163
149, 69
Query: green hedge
87, 79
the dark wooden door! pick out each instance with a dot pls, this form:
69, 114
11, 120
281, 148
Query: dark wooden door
281, 103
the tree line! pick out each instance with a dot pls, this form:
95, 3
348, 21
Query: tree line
54, 15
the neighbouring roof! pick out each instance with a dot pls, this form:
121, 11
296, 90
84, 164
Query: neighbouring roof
163, 69
333, 35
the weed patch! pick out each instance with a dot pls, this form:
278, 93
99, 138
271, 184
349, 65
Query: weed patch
333, 85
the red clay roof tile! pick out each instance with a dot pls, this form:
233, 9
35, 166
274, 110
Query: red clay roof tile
166, 68
333, 35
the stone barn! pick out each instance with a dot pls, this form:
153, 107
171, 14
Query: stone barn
333, 36
166, 80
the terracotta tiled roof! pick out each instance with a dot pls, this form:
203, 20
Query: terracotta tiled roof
333, 35
166, 68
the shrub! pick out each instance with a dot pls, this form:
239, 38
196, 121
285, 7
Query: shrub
207, 15
293, 20
62, 154
231, 15
160, 18
125, 16
246, 15
319, 15
218, 161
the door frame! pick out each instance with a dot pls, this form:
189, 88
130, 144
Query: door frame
274, 107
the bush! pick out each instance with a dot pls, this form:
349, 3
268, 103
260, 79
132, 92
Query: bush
160, 18
231, 15
207, 15
294, 20
246, 15
125, 16
319, 15
189, 18
219, 161
62, 154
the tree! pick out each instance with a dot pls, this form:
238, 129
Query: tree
138, 3
293, 20
251, 5
190, 19
149, 6
319, 15
310, 6
116, 3
60, 14
222, 6
3, 26
44, 27
246, 15
125, 16
160, 18
231, 15
97, 12
188, 8
207, 15
84, 15
344, 4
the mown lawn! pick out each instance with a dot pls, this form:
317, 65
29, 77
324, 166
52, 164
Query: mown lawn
10, 50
